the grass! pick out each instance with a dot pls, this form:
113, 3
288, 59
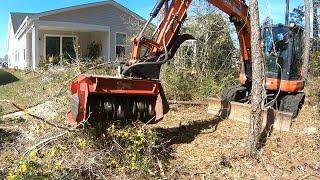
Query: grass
31, 89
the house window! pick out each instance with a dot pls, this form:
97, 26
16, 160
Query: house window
60, 46
52, 47
68, 47
121, 45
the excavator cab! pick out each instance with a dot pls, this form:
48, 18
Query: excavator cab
282, 49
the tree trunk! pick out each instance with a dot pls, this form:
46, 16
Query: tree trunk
306, 54
315, 25
257, 80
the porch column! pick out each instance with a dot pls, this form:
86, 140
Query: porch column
27, 50
35, 47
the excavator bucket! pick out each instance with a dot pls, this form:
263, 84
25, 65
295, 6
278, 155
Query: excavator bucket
241, 112
110, 98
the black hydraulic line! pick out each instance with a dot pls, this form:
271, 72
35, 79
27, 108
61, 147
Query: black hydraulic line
158, 62
166, 56
157, 8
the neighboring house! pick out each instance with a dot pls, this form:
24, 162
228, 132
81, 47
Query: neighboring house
55, 33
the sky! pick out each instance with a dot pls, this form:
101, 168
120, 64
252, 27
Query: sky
273, 8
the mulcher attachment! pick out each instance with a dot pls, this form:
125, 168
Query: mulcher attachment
108, 99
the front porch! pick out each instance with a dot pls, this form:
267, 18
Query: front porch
48, 40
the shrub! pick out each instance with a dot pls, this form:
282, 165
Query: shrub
95, 50
187, 85
315, 64
43, 63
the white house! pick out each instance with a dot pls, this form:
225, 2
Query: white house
35, 36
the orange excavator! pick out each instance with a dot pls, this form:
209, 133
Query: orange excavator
138, 94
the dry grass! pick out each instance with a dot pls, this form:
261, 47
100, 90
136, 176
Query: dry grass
204, 147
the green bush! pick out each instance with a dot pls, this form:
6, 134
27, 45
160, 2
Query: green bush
187, 85
95, 50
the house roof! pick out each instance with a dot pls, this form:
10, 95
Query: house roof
110, 2
17, 18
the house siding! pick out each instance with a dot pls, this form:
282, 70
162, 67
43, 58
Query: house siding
12, 48
104, 15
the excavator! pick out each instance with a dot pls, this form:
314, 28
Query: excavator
138, 93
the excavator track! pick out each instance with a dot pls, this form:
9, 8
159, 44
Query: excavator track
292, 103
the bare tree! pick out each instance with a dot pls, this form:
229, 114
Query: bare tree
315, 25
306, 54
257, 80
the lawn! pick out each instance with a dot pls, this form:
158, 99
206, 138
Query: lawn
32, 88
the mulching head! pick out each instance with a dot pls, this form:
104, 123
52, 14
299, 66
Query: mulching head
110, 98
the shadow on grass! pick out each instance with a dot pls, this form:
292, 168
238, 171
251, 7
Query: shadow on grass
187, 133
7, 78
7, 137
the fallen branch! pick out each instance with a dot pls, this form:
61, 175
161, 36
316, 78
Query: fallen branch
187, 102
45, 142
36, 117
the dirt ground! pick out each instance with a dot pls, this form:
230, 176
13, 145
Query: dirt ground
204, 147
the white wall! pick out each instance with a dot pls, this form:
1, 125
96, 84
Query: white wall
102, 38
16, 50
22, 61
12, 47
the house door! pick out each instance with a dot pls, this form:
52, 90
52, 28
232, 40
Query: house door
60, 47
52, 47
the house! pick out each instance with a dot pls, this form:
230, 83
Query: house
59, 33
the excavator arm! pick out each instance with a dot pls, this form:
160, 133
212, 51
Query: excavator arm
166, 39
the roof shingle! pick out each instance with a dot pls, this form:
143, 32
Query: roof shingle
17, 19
